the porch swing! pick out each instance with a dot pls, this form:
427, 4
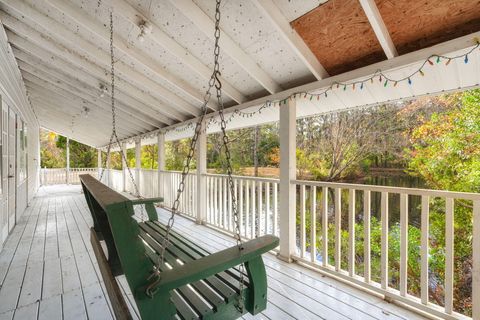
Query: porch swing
170, 276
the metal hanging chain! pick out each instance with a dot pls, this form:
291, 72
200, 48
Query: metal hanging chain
113, 137
213, 82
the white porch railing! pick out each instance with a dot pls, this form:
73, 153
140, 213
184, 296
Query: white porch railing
59, 175
171, 181
345, 230
330, 212
257, 202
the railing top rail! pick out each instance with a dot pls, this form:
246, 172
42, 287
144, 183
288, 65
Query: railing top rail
410, 191
274, 180
172, 171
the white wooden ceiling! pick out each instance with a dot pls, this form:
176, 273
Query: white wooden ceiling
62, 50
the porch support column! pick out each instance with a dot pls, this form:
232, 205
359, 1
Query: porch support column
161, 163
124, 166
107, 170
99, 162
138, 161
201, 192
67, 173
288, 168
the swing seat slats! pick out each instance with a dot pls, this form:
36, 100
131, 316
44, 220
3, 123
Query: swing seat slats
194, 283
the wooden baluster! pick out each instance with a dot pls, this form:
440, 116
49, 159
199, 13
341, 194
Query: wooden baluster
338, 228
366, 235
351, 232
384, 240
275, 208
260, 209
303, 237
476, 262
325, 226
313, 223
424, 249
267, 208
403, 243
247, 207
240, 206
449, 246
253, 212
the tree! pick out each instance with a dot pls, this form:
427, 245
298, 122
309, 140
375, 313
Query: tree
446, 153
446, 149
149, 156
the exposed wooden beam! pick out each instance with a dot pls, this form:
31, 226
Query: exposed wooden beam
296, 43
85, 87
379, 27
64, 119
68, 38
228, 45
131, 14
392, 64
48, 94
36, 44
47, 82
63, 130
98, 29
48, 108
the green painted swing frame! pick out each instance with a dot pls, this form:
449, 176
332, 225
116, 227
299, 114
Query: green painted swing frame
128, 254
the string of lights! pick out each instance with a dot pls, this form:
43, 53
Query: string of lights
381, 76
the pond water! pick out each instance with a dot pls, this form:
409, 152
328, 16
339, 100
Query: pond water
399, 180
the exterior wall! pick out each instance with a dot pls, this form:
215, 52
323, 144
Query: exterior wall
13, 99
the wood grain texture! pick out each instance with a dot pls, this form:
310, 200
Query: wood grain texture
414, 25
340, 36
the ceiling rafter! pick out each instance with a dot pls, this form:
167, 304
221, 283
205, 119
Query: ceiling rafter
75, 123
460, 43
31, 17
83, 135
86, 87
187, 58
379, 27
230, 47
66, 117
51, 89
78, 103
296, 43
98, 29
36, 44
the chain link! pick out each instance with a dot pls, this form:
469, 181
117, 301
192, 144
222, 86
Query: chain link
199, 127
114, 137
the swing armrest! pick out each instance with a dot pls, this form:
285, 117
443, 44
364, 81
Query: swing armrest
149, 206
217, 262
147, 201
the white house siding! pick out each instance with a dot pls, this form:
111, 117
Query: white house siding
13, 96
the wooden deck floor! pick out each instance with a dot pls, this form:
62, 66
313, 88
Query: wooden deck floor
48, 271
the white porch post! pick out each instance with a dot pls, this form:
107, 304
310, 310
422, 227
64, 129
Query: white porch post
99, 162
288, 168
201, 192
107, 170
67, 173
138, 162
124, 166
161, 163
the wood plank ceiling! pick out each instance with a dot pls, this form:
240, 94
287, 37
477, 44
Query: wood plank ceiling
267, 46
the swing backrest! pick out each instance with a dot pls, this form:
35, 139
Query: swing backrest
113, 221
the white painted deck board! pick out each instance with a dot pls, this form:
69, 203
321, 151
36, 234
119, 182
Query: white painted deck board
52, 238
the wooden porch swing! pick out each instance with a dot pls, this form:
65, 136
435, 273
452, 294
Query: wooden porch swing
170, 276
